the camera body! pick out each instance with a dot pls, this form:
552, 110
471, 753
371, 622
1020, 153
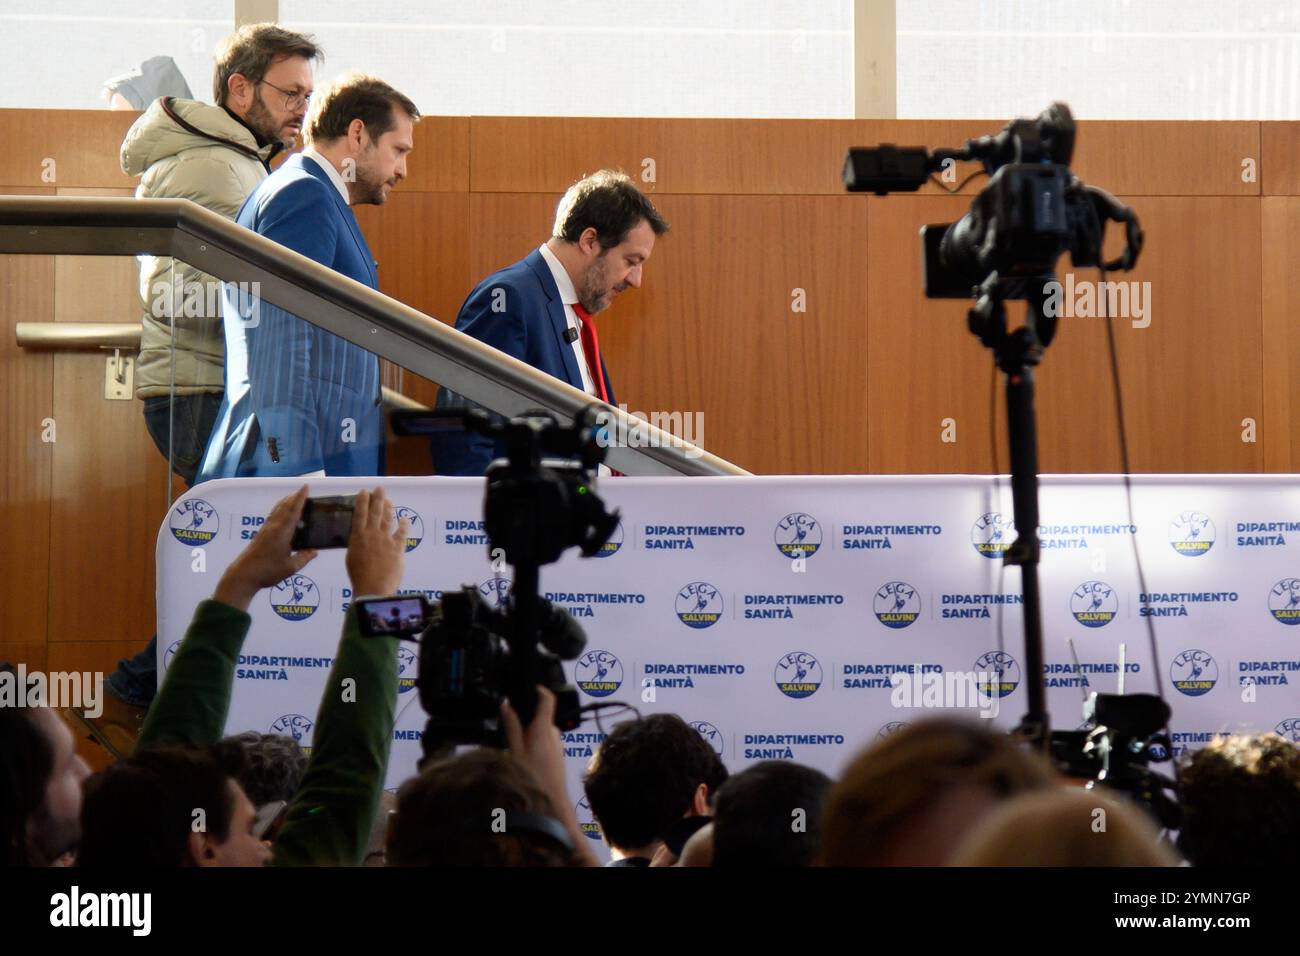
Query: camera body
539, 502
1032, 210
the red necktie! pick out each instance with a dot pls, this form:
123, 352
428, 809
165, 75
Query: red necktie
591, 348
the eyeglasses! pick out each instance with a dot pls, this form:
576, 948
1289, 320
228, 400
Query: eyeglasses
292, 101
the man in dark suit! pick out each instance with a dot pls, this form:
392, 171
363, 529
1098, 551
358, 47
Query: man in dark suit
540, 309
300, 400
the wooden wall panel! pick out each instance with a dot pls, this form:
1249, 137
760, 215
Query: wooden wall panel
419, 240
31, 653
26, 394
1189, 379
1191, 376
546, 154
84, 145
1280, 163
923, 366
1280, 261
107, 474
440, 160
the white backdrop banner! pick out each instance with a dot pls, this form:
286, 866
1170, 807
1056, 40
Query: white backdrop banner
801, 618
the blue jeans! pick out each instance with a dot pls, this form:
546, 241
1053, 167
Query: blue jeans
191, 420
188, 421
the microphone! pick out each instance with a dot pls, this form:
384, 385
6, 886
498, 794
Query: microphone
570, 335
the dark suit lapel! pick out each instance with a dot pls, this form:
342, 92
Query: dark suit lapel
559, 321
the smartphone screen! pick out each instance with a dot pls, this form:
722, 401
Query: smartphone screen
391, 617
325, 523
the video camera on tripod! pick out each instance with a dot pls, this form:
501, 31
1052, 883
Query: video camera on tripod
1031, 212
540, 502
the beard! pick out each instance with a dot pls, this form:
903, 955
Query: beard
593, 290
259, 117
368, 189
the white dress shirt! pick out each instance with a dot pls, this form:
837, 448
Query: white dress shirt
314, 155
569, 298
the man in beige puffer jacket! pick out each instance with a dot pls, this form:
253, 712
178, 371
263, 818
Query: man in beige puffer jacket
214, 156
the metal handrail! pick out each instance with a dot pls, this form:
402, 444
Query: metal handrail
73, 336
75, 225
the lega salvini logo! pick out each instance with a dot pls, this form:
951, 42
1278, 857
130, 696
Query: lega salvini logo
1191, 534
1284, 601
1094, 604
193, 522
699, 604
991, 534
798, 535
1004, 674
610, 547
415, 526
598, 673
1194, 673
296, 726
495, 591
295, 598
587, 820
712, 736
1289, 729
897, 605
891, 728
408, 668
798, 675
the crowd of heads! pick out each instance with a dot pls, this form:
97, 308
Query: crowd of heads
939, 792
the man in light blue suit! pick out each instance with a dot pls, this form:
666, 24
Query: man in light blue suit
300, 400
540, 309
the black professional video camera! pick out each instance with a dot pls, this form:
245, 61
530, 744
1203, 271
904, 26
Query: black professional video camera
1031, 211
1117, 751
540, 502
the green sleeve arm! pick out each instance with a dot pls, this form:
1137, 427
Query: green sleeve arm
194, 699
329, 821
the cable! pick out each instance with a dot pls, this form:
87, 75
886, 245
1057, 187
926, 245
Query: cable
961, 185
1126, 468
1128, 497
593, 711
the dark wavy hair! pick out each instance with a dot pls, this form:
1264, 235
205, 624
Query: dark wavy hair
142, 810
446, 815
609, 202
268, 766
1241, 802
26, 762
645, 776
251, 50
